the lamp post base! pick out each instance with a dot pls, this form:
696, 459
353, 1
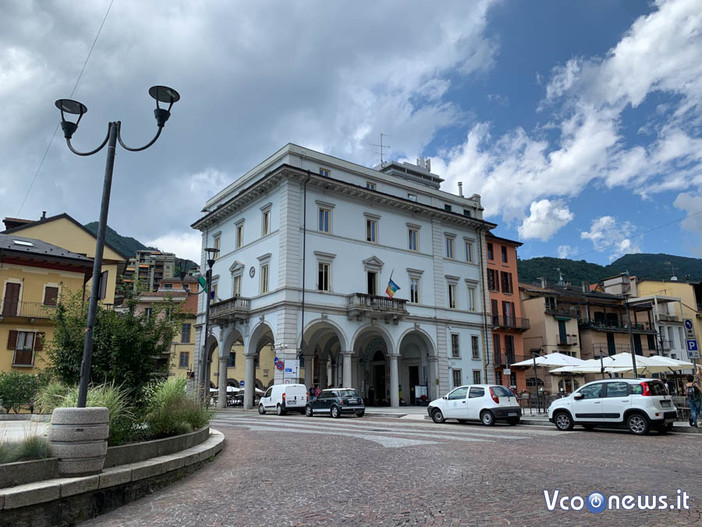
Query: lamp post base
78, 438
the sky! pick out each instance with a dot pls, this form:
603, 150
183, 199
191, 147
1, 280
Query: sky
579, 123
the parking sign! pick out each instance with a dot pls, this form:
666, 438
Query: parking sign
693, 351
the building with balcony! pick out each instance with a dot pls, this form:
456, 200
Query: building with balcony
371, 278
34, 275
505, 315
148, 268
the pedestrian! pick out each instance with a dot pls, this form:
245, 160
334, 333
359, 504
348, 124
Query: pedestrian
317, 391
694, 399
313, 392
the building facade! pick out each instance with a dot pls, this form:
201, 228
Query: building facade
148, 268
33, 276
353, 276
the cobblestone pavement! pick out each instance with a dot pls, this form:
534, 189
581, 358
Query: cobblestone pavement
297, 471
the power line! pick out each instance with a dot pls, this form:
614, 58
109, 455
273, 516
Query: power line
75, 86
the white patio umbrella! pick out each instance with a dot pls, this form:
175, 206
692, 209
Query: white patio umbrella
551, 360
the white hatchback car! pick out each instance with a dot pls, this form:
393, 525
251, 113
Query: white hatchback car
637, 404
479, 402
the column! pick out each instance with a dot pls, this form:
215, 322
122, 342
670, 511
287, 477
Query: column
222, 385
249, 381
394, 382
433, 388
309, 370
330, 376
346, 368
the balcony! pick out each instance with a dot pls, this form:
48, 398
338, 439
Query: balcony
26, 309
566, 340
560, 312
514, 323
504, 359
669, 318
230, 310
390, 309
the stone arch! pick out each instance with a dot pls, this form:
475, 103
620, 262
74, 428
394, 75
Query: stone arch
323, 342
416, 367
373, 347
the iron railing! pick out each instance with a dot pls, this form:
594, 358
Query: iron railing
501, 322
25, 309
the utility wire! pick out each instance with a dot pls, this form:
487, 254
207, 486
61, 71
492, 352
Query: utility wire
75, 86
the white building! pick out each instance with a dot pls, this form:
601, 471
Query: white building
308, 243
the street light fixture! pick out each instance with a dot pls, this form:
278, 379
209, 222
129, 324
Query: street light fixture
211, 257
68, 106
536, 353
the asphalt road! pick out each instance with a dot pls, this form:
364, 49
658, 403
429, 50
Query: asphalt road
299, 471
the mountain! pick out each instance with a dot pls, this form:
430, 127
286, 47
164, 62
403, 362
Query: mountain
125, 246
643, 266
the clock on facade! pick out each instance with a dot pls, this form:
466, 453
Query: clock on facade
252, 271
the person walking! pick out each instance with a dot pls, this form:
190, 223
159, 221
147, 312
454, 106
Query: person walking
313, 392
694, 399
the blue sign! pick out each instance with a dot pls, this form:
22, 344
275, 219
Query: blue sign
688, 323
241, 383
692, 345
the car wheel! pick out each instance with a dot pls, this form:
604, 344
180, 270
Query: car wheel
335, 413
261, 409
308, 411
437, 416
637, 424
361, 413
487, 417
513, 421
563, 421
279, 410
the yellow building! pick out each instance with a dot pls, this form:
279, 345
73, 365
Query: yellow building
64, 231
34, 275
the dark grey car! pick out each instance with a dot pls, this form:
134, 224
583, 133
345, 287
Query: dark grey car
336, 401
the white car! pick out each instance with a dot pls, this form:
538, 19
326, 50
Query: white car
282, 398
479, 402
637, 404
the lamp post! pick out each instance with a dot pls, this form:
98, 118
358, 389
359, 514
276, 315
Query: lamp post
534, 354
631, 337
211, 257
67, 106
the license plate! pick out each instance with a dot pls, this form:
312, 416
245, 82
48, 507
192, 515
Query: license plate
665, 403
512, 414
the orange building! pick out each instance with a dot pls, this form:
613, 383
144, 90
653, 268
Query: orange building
505, 313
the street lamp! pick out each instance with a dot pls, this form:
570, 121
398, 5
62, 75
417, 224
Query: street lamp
535, 353
67, 106
211, 257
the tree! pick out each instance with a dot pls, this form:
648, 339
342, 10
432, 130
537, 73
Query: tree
17, 390
128, 347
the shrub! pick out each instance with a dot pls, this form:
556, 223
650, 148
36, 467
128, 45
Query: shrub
18, 390
171, 411
33, 447
51, 396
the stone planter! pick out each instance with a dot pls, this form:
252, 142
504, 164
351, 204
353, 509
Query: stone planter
78, 438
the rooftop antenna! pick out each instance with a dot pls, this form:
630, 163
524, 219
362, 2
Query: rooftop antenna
381, 146
560, 276
673, 278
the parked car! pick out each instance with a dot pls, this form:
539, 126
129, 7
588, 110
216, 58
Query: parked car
637, 404
484, 402
283, 398
335, 402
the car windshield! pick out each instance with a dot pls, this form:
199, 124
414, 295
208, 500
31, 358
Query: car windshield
348, 393
501, 391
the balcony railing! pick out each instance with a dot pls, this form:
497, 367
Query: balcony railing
566, 340
602, 325
360, 304
504, 358
520, 324
229, 310
25, 309
669, 318
560, 312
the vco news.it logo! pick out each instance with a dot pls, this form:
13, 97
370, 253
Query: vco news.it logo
597, 502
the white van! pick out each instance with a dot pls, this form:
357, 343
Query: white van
282, 398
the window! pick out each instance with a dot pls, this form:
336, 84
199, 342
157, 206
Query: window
617, 389
497, 348
414, 290
240, 235
466, 213
471, 298
231, 360
371, 230
370, 185
24, 344
216, 240
185, 333
651, 342
51, 295
236, 285
508, 314
413, 234
509, 349
412, 197
323, 171
593, 391
449, 246
506, 280
447, 208
490, 253
476, 377
469, 252
266, 223
372, 282
324, 217
452, 296
504, 253
475, 347
457, 381
323, 276
492, 281
184, 359
148, 312
455, 352
264, 278
476, 392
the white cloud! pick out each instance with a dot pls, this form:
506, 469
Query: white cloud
186, 244
545, 219
607, 235
567, 251
691, 203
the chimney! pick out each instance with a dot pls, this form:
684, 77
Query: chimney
43, 215
460, 188
585, 286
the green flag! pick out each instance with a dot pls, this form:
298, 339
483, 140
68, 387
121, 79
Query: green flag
203, 283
